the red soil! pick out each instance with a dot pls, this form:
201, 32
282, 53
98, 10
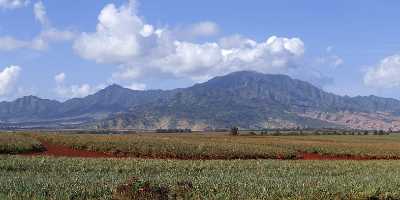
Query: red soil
63, 151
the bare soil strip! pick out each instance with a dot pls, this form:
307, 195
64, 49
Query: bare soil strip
63, 151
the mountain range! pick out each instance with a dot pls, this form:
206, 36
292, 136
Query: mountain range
247, 99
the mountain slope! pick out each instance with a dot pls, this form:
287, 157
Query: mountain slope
255, 100
28, 108
246, 99
110, 100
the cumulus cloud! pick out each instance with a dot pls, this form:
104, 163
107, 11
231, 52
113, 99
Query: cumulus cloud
8, 78
123, 38
386, 74
118, 36
13, 4
71, 91
201, 61
142, 50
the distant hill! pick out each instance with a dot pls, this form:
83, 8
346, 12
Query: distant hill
246, 99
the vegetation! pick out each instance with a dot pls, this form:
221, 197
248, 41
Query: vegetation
66, 178
178, 146
18, 143
224, 146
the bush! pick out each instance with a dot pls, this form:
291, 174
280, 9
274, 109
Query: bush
264, 132
234, 131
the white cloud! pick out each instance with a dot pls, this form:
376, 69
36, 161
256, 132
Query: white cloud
41, 42
117, 38
201, 61
147, 30
8, 77
40, 13
13, 4
47, 35
206, 28
123, 38
8, 43
72, 91
386, 74
60, 78
236, 41
126, 73
136, 86
330, 60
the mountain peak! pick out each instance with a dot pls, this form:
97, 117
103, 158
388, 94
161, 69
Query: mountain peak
244, 75
255, 73
114, 87
32, 98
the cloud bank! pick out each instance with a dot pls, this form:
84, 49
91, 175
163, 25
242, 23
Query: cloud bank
140, 49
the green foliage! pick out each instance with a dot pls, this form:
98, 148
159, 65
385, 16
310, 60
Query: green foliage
65, 178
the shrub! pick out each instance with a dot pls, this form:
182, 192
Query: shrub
234, 131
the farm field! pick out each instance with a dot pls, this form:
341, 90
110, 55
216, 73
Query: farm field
77, 178
224, 146
198, 166
18, 143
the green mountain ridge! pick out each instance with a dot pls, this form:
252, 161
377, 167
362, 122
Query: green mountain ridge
246, 99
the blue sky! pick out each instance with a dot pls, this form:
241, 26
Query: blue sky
62, 49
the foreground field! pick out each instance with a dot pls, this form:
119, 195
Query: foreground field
73, 178
197, 176
223, 146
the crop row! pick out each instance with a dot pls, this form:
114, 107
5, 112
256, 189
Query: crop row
66, 178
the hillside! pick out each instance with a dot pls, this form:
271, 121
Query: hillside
246, 99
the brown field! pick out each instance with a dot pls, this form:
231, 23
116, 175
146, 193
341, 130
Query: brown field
213, 146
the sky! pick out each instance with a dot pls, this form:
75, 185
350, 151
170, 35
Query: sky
64, 49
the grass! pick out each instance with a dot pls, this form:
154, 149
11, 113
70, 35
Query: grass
222, 146
67, 178
11, 143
